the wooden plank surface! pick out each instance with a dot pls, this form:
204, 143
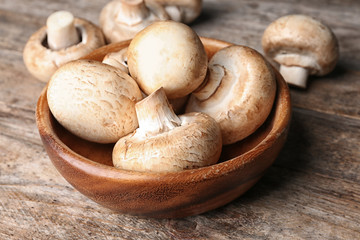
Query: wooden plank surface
311, 192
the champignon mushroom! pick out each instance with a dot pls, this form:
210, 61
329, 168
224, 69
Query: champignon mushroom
117, 59
94, 101
167, 54
184, 11
121, 19
302, 46
239, 92
165, 142
64, 39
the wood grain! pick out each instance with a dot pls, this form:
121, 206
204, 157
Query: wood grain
311, 192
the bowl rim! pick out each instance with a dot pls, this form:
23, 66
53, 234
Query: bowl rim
90, 167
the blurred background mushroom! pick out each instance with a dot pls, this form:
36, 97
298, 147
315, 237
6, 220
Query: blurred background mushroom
302, 46
63, 39
122, 19
184, 11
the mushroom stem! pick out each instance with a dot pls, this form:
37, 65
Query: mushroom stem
61, 31
155, 114
295, 75
132, 12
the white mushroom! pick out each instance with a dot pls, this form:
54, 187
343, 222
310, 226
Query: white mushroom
165, 142
93, 100
239, 92
117, 59
121, 19
302, 46
184, 11
167, 54
64, 39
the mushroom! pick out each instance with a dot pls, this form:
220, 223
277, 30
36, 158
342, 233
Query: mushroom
121, 19
117, 59
167, 54
302, 46
165, 142
94, 101
239, 92
184, 11
63, 39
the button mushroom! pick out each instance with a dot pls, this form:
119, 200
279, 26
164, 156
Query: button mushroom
165, 142
184, 11
167, 54
239, 92
94, 101
302, 46
121, 19
63, 39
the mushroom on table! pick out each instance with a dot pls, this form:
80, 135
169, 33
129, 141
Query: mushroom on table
302, 46
239, 92
165, 142
62, 40
121, 19
184, 11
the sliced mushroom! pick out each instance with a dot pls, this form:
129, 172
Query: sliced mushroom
302, 46
117, 59
184, 11
94, 101
167, 54
121, 19
165, 142
64, 39
239, 92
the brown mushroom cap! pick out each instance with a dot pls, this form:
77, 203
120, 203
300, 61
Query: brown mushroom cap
165, 142
299, 40
239, 92
94, 101
42, 62
167, 54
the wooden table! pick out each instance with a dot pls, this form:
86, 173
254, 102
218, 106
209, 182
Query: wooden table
311, 192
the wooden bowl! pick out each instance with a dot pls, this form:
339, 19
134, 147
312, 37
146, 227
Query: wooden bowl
88, 166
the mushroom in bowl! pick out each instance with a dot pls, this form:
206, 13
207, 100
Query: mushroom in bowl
165, 142
94, 100
88, 166
239, 92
